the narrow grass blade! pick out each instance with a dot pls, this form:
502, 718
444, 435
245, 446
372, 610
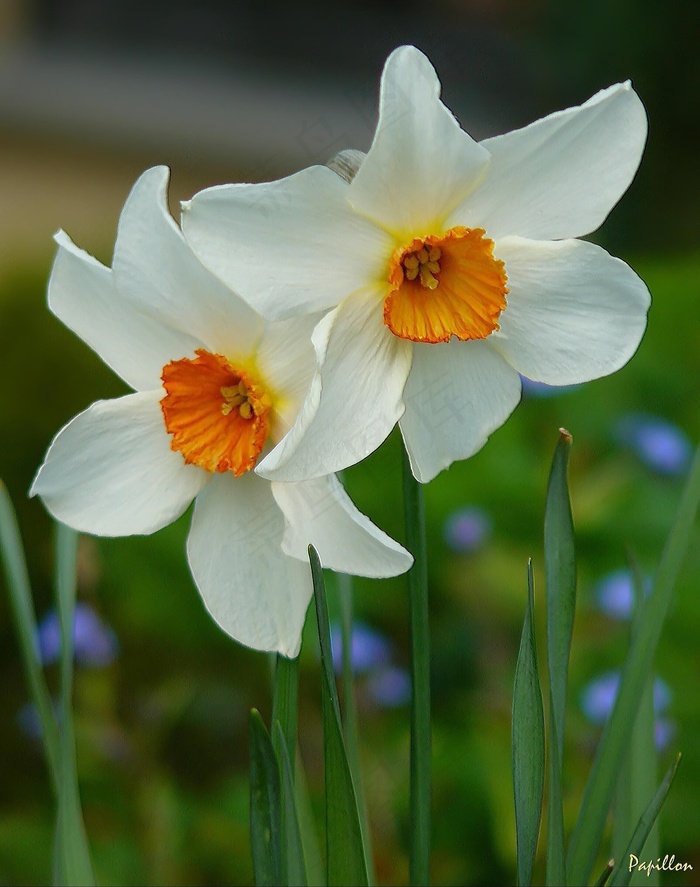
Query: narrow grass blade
294, 868
345, 854
265, 808
315, 869
560, 574
607, 871
616, 735
72, 857
556, 860
285, 697
420, 678
636, 780
350, 731
623, 871
636, 784
528, 743
25, 624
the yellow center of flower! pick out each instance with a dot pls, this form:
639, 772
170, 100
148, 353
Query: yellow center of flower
445, 285
217, 413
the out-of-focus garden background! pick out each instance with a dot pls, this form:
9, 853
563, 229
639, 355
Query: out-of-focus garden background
92, 92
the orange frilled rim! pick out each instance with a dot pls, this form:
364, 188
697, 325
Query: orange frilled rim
445, 285
217, 413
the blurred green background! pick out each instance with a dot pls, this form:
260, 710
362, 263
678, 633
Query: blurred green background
93, 93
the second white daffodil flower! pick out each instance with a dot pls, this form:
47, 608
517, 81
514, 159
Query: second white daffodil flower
449, 265
215, 388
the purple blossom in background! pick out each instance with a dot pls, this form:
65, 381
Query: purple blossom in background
29, 722
541, 390
598, 698
614, 593
467, 529
664, 731
659, 444
27, 719
390, 687
94, 641
368, 648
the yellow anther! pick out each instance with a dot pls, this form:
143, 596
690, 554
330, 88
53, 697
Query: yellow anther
245, 410
427, 279
422, 264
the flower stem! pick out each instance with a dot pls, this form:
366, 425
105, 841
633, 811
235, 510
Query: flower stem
420, 678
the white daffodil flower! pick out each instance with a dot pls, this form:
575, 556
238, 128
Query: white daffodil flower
449, 265
216, 387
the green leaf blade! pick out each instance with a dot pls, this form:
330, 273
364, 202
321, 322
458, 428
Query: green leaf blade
617, 732
292, 849
623, 872
25, 625
560, 574
528, 744
265, 805
345, 854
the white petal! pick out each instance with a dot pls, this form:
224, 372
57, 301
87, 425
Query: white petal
156, 269
363, 368
111, 472
83, 295
421, 163
560, 176
287, 362
255, 592
456, 395
574, 312
320, 513
288, 247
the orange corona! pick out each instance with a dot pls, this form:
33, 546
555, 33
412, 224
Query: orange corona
218, 414
445, 285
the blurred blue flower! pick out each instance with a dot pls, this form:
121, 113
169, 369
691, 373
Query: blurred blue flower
389, 687
664, 731
94, 641
598, 698
614, 593
369, 648
467, 529
659, 444
29, 722
542, 390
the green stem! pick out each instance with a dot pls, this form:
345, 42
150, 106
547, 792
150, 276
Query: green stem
420, 679
72, 859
